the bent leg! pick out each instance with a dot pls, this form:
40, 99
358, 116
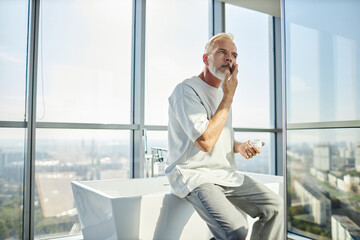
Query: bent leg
257, 200
221, 216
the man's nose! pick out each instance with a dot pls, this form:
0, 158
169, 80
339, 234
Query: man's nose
228, 58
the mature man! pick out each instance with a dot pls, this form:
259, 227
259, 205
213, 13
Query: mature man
201, 166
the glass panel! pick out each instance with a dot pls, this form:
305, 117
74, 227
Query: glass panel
84, 68
262, 163
323, 176
252, 103
157, 139
176, 33
13, 47
322, 60
12, 155
65, 155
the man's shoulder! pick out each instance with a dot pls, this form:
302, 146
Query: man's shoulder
185, 85
191, 81
188, 83
184, 89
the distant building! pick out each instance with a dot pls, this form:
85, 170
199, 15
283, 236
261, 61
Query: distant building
332, 180
322, 160
342, 228
341, 185
314, 201
344, 184
320, 175
357, 157
51, 187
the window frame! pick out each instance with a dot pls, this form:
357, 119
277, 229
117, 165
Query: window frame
137, 110
299, 126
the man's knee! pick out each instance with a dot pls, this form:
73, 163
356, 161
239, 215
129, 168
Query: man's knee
279, 206
275, 210
238, 234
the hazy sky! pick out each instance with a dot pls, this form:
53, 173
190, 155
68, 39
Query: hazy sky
84, 66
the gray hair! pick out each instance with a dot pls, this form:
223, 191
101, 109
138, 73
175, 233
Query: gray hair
210, 43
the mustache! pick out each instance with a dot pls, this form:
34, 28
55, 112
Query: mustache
227, 65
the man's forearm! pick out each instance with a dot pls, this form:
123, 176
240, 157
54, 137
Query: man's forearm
216, 124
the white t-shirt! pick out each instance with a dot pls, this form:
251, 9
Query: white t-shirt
191, 105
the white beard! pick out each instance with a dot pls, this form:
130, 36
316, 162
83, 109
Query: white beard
216, 72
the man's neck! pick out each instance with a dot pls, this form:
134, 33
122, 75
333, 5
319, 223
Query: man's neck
210, 79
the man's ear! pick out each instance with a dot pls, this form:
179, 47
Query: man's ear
205, 59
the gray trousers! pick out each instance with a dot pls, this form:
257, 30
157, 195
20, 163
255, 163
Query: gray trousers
218, 206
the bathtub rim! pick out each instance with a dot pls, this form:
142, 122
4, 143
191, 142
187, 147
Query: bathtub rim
81, 184
164, 180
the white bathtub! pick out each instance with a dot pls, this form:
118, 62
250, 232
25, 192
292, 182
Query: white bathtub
142, 209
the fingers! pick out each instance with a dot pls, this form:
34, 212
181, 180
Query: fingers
233, 73
227, 76
256, 149
235, 70
230, 82
251, 151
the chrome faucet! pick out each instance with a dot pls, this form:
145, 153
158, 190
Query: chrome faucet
154, 162
158, 155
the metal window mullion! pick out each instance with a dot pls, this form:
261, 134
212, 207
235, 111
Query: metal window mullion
29, 166
138, 87
324, 125
99, 126
279, 112
272, 92
236, 129
13, 124
156, 127
265, 130
216, 17
284, 110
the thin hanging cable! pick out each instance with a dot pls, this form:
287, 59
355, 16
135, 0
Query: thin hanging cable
41, 65
27, 62
146, 92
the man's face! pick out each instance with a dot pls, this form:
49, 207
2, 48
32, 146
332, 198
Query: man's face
222, 58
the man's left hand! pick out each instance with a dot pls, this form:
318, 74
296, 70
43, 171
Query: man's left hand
246, 150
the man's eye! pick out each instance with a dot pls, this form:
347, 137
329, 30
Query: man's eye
234, 55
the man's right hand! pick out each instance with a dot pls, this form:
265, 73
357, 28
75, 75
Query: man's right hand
230, 83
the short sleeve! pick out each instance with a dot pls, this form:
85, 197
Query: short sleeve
189, 111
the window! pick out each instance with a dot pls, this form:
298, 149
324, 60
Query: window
323, 106
13, 45
253, 106
12, 155
84, 66
252, 103
323, 181
176, 33
87, 115
65, 155
84, 77
322, 61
